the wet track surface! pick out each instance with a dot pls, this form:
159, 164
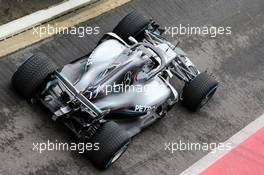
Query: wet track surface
236, 61
14, 9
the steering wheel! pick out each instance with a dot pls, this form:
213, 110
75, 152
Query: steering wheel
159, 52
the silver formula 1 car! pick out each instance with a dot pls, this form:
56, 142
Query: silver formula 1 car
121, 87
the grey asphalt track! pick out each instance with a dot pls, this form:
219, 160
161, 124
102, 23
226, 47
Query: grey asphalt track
14, 9
236, 61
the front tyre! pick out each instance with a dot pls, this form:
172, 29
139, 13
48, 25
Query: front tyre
113, 142
133, 25
198, 91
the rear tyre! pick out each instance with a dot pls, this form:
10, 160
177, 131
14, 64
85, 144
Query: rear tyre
32, 74
113, 142
199, 91
133, 25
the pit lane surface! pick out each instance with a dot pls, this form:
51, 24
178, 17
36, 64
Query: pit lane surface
236, 61
11, 10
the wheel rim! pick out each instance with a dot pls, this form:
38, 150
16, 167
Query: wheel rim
208, 96
117, 155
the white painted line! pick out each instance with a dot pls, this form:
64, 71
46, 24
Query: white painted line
235, 140
87, 12
37, 18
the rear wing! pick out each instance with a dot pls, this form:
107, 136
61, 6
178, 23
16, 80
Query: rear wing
93, 110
